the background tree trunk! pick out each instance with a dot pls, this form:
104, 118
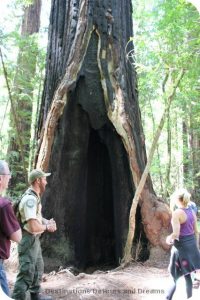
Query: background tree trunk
169, 149
91, 138
185, 152
194, 142
22, 95
157, 150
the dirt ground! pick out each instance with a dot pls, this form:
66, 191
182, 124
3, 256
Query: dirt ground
134, 282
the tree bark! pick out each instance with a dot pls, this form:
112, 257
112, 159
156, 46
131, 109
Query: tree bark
91, 137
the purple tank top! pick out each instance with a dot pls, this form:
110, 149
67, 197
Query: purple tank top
187, 228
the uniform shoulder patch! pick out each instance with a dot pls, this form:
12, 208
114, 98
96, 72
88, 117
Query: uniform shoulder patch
30, 203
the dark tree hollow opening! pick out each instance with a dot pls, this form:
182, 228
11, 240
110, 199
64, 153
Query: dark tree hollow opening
100, 235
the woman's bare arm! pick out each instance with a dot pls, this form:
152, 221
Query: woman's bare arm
175, 227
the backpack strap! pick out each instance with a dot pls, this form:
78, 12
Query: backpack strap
30, 192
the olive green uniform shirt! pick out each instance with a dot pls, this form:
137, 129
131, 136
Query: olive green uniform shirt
30, 208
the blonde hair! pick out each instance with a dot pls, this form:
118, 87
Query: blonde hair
182, 195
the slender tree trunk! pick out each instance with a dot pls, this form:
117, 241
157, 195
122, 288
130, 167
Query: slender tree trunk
169, 148
194, 140
185, 152
157, 152
22, 95
178, 149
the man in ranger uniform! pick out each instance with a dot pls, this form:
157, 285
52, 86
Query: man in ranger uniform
31, 264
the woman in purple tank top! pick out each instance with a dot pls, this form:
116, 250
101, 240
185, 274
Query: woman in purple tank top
185, 255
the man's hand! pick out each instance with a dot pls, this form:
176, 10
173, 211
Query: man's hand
51, 225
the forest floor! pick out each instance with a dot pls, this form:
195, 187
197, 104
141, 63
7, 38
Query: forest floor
134, 282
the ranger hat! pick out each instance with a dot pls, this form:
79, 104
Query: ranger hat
34, 174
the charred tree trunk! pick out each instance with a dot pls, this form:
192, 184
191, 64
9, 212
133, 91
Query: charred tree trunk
91, 137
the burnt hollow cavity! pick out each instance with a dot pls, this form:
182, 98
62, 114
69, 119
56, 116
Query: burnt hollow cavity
91, 189
100, 235
91, 195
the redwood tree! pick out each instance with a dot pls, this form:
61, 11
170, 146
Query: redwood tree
91, 138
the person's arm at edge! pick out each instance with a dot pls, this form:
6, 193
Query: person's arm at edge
16, 236
175, 225
196, 229
12, 227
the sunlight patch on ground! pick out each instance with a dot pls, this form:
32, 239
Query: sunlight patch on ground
159, 287
181, 292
